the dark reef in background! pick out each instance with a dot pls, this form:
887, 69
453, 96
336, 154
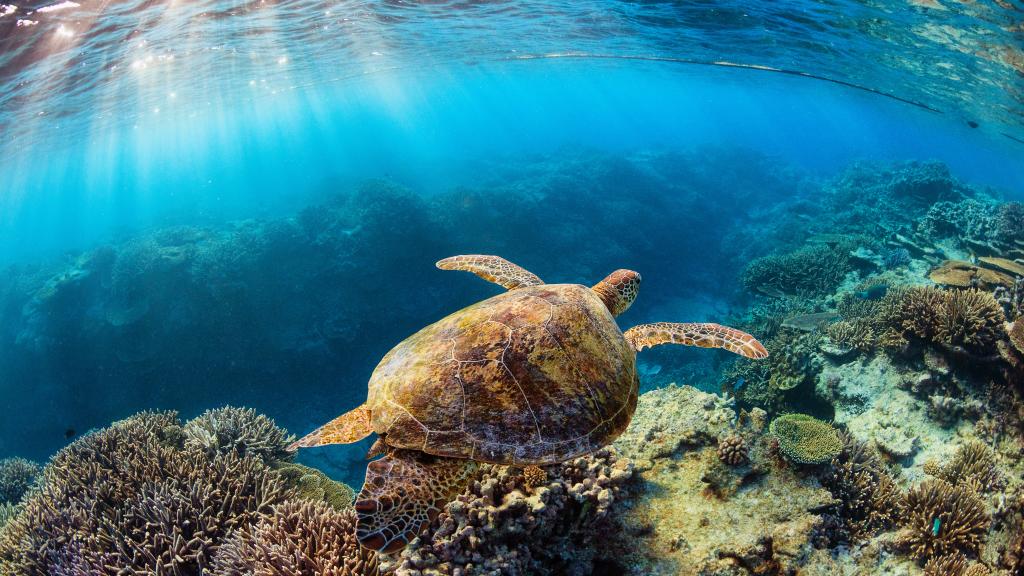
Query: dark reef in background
290, 315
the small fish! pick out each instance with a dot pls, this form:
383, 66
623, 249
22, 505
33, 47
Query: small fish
69, 433
936, 525
739, 383
873, 293
972, 123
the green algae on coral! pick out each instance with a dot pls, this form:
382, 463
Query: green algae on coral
804, 439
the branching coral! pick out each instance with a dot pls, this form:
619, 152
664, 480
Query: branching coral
857, 334
964, 319
16, 477
811, 270
500, 526
942, 519
298, 539
240, 430
868, 497
732, 450
129, 499
973, 466
804, 439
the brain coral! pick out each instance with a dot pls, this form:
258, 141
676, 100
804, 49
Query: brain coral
499, 525
16, 476
806, 440
131, 500
298, 539
942, 519
241, 430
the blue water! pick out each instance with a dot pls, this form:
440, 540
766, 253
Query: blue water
573, 138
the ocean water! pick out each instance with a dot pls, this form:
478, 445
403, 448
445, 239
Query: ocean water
241, 203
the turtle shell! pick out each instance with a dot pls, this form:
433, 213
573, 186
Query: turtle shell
536, 375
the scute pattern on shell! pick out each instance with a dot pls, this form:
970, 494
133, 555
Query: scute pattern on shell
536, 375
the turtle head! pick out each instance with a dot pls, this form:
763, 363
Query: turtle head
618, 290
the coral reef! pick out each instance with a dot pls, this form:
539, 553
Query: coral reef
128, 499
500, 525
16, 477
239, 430
943, 519
297, 539
312, 484
804, 439
969, 320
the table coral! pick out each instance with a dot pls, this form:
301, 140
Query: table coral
806, 440
297, 539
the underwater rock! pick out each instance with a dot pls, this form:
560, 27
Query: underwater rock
670, 419
693, 515
297, 539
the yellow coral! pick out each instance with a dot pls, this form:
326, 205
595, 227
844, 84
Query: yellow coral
806, 440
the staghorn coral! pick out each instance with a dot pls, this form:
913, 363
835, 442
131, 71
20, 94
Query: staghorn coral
130, 500
952, 565
298, 539
868, 498
7, 511
804, 439
499, 526
16, 477
811, 270
942, 519
1016, 335
534, 476
856, 334
970, 319
974, 466
732, 450
241, 430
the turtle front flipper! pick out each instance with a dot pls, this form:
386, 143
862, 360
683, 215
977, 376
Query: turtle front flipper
350, 427
702, 335
403, 492
493, 269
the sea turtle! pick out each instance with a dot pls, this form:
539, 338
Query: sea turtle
533, 376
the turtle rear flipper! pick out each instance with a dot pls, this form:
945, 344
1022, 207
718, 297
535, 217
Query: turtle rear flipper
702, 335
350, 427
493, 269
404, 491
